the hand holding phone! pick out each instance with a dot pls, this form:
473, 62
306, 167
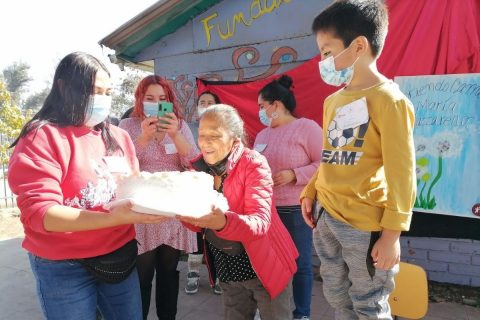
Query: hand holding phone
164, 108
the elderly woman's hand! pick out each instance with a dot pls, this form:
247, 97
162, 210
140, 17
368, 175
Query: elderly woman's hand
215, 220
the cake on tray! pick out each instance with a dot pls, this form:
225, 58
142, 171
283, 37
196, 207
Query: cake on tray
169, 193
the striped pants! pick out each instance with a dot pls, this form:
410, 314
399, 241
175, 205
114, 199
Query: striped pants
351, 284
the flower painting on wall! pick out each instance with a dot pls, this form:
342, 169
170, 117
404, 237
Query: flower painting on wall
447, 142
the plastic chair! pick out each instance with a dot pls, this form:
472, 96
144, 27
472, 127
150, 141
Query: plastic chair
409, 299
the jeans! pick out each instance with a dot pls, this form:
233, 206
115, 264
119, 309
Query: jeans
68, 291
301, 234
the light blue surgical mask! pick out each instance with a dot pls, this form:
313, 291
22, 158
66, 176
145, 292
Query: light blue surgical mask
150, 109
98, 110
264, 119
331, 75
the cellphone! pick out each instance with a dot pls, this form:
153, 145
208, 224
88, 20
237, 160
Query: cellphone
164, 107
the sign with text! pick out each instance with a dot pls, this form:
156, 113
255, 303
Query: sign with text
242, 22
447, 142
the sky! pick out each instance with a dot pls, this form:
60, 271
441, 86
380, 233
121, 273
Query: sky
41, 33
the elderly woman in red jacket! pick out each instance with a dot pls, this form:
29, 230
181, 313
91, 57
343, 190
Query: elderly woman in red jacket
253, 254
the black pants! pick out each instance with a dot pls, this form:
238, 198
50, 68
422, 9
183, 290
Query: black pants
163, 262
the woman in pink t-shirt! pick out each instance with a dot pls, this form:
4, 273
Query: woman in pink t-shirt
293, 148
162, 144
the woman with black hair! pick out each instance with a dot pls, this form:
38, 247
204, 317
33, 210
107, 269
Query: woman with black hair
63, 169
292, 147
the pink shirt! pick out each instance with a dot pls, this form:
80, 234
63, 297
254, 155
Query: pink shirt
296, 145
160, 156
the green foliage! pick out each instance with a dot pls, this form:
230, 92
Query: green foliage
12, 121
16, 78
124, 94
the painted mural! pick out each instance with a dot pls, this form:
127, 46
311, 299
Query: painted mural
280, 56
447, 142
243, 58
241, 40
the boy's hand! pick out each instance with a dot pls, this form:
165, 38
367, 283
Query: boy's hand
386, 251
307, 209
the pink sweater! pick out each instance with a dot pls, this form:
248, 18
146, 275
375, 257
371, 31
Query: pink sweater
296, 145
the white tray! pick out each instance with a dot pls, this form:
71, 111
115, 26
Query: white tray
203, 209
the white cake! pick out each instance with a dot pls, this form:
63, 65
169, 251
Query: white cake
186, 193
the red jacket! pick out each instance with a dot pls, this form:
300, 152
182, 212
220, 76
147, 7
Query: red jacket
253, 220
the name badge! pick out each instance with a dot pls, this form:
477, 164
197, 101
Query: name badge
352, 115
117, 164
170, 148
260, 147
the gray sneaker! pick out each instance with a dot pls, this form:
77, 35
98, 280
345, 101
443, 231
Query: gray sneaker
302, 318
217, 289
193, 280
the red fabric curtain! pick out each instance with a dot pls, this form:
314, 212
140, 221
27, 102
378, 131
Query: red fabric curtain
425, 37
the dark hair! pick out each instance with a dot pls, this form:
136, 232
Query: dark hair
127, 113
68, 101
215, 97
349, 19
279, 90
113, 120
142, 89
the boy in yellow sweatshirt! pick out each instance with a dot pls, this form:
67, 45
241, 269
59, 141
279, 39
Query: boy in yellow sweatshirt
366, 181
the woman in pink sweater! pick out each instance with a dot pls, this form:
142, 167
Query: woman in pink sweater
293, 148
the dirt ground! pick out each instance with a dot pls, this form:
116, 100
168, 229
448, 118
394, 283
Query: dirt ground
10, 226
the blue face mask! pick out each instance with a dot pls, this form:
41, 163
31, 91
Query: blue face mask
99, 110
264, 119
150, 109
331, 75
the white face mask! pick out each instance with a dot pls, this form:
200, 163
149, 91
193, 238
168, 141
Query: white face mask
99, 109
331, 75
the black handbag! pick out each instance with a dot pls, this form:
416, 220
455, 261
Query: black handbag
115, 266
233, 248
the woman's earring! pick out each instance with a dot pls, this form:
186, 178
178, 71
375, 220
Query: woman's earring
274, 115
